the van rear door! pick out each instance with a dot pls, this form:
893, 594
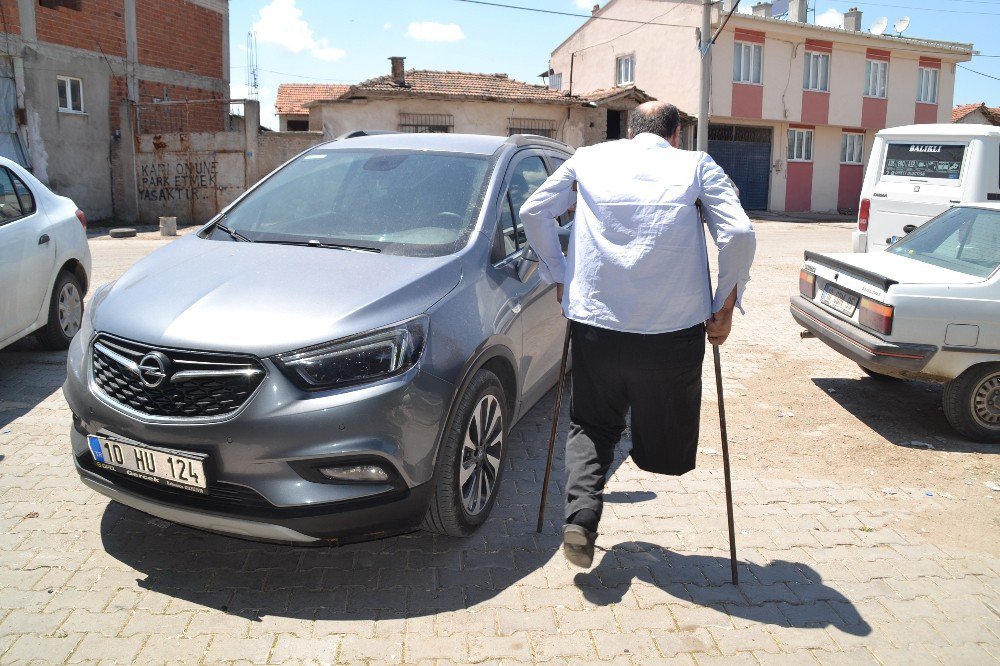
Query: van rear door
917, 180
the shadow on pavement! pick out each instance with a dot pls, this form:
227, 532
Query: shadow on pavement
29, 375
906, 412
787, 594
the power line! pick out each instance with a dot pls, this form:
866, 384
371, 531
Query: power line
927, 9
989, 76
573, 14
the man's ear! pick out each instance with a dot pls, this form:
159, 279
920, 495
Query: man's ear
675, 140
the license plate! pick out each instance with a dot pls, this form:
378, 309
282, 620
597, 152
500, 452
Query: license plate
163, 466
839, 300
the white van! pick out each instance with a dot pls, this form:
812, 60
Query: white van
918, 171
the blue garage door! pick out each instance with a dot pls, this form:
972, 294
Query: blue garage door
745, 154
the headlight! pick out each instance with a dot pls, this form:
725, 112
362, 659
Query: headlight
364, 358
99, 295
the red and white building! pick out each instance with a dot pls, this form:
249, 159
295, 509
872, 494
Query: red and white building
794, 106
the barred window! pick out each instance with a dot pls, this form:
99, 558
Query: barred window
426, 123
537, 126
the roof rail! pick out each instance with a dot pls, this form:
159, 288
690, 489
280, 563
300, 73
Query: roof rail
535, 139
356, 133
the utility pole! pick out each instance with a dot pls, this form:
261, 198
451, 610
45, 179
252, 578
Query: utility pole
706, 73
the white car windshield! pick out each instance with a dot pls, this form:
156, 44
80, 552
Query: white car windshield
966, 240
414, 203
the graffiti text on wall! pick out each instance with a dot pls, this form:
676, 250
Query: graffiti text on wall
177, 181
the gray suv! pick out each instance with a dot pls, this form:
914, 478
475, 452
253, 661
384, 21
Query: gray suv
340, 354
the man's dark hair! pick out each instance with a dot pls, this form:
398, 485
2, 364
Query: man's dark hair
661, 120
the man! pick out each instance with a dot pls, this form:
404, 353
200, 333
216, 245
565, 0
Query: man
638, 297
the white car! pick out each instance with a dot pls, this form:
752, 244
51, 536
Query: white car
44, 261
927, 307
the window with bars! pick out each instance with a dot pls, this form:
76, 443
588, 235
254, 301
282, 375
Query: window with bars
876, 75
426, 123
927, 80
537, 126
747, 62
852, 146
800, 145
624, 70
817, 72
70, 94
555, 81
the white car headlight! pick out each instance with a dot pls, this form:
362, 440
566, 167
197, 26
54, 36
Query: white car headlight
364, 358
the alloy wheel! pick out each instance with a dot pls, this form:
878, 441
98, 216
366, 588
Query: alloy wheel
481, 454
986, 402
70, 306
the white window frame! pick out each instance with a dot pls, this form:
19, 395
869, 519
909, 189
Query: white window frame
748, 63
927, 85
800, 144
70, 100
816, 74
875, 86
620, 76
852, 148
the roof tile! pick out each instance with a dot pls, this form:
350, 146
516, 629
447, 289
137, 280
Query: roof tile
292, 96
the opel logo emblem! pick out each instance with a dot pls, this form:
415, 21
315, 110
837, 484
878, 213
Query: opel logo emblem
154, 368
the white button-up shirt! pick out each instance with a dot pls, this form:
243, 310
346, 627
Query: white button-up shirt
637, 258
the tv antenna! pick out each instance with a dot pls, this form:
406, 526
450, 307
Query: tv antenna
901, 25
880, 24
253, 80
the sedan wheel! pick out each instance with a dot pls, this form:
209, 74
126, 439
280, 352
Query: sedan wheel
65, 312
972, 402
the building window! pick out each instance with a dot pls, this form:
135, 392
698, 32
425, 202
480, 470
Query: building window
70, 94
852, 147
624, 70
876, 74
537, 126
555, 81
426, 123
817, 72
297, 126
746, 62
56, 4
800, 145
927, 86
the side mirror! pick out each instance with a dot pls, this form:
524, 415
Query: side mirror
527, 264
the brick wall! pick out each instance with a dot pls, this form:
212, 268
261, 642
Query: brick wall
180, 117
10, 18
99, 25
117, 91
179, 35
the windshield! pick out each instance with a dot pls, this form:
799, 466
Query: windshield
413, 203
924, 160
966, 240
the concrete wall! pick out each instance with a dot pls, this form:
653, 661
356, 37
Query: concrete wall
975, 118
276, 148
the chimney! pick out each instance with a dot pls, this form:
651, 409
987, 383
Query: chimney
596, 8
798, 11
762, 9
852, 20
398, 75
727, 6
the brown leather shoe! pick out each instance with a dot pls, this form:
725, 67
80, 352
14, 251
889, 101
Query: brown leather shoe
578, 545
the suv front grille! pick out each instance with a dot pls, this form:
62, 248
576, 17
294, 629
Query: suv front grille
171, 383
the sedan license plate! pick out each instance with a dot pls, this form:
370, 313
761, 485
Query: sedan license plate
166, 467
839, 300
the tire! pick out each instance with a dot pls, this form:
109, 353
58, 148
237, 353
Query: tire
972, 402
460, 505
65, 312
879, 376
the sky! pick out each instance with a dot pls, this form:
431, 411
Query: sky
346, 41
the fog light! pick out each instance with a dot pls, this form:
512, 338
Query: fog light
356, 473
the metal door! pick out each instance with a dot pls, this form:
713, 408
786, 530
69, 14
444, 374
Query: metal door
745, 155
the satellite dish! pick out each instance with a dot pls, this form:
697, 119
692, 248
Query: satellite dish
901, 25
880, 24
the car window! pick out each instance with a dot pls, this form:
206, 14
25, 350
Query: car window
966, 240
10, 206
509, 238
23, 194
528, 174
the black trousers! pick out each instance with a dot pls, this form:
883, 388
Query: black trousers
659, 377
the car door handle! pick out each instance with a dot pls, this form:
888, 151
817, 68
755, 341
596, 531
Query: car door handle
43, 239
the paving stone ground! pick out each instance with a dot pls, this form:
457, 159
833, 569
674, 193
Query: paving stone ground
830, 571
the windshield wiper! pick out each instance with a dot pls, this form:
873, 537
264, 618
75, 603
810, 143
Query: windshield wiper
235, 235
316, 243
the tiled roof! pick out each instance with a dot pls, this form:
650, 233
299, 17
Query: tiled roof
460, 85
961, 111
292, 96
604, 94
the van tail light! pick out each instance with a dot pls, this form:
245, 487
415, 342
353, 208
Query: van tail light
83, 218
876, 316
863, 212
807, 283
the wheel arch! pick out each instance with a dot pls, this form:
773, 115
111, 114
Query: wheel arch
76, 268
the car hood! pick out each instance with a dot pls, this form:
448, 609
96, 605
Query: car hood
264, 299
901, 270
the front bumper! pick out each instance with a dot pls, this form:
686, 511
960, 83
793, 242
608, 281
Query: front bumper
890, 358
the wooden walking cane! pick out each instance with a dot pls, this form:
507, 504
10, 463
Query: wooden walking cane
555, 427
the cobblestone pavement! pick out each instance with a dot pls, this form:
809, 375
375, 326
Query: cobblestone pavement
831, 571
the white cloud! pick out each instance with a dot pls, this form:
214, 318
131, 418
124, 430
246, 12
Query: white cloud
586, 4
429, 31
387, 26
831, 18
281, 23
